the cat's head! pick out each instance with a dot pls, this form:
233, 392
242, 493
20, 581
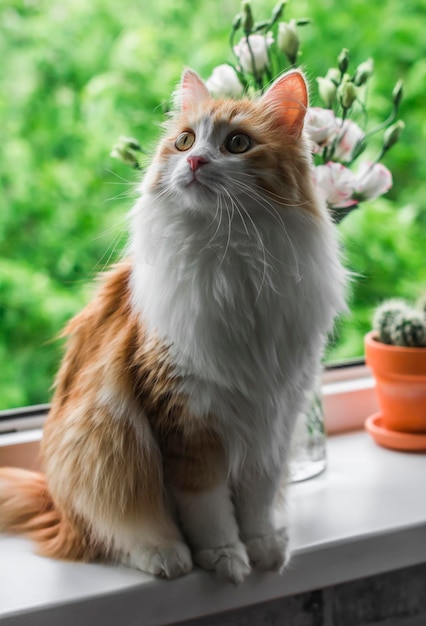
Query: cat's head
233, 150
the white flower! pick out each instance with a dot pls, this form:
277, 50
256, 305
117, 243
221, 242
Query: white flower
363, 72
350, 136
288, 39
259, 48
336, 183
320, 126
327, 90
372, 180
347, 94
224, 82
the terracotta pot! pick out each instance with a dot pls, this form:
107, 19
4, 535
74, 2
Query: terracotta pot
400, 375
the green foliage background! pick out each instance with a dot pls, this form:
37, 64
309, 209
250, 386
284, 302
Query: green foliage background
74, 75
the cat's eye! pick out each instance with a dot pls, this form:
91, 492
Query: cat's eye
237, 143
185, 140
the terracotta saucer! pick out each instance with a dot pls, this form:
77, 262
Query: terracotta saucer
392, 438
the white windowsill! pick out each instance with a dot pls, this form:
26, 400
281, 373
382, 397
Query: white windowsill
365, 515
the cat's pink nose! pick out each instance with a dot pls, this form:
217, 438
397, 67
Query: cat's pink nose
195, 162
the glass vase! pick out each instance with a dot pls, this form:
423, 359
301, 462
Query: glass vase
308, 455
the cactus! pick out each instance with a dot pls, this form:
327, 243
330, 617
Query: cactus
421, 303
399, 324
384, 318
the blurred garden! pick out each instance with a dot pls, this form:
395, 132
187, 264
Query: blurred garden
76, 75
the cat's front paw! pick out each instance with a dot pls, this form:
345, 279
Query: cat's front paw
169, 561
269, 552
230, 563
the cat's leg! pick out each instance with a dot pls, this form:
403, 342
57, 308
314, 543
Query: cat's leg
103, 466
260, 487
255, 501
162, 552
208, 520
196, 474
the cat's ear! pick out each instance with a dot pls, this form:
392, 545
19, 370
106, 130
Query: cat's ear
193, 90
288, 100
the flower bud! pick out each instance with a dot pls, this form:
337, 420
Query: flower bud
278, 11
288, 40
343, 60
334, 75
247, 18
363, 72
327, 91
397, 93
236, 24
126, 150
259, 26
392, 134
347, 94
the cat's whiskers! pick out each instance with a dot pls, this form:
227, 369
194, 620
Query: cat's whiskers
277, 198
165, 192
114, 244
263, 203
262, 200
129, 193
228, 242
236, 203
272, 211
109, 253
118, 225
124, 195
120, 178
242, 220
235, 207
263, 250
219, 212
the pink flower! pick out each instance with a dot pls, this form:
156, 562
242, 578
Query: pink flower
320, 126
350, 136
259, 48
336, 183
372, 180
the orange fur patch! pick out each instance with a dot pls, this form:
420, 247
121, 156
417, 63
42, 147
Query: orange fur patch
279, 161
117, 434
26, 507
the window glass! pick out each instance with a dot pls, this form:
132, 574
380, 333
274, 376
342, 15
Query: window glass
76, 75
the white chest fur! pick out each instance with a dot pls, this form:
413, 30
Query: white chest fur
244, 307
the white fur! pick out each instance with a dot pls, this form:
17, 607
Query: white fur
167, 561
244, 308
243, 291
209, 520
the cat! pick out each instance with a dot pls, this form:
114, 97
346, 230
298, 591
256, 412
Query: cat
169, 430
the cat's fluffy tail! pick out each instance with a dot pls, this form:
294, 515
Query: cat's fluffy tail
27, 508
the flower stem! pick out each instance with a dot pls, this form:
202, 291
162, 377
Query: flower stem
258, 80
385, 124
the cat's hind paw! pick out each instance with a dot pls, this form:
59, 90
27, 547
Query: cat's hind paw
269, 552
169, 561
230, 563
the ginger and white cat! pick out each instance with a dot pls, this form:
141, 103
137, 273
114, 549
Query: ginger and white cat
170, 425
